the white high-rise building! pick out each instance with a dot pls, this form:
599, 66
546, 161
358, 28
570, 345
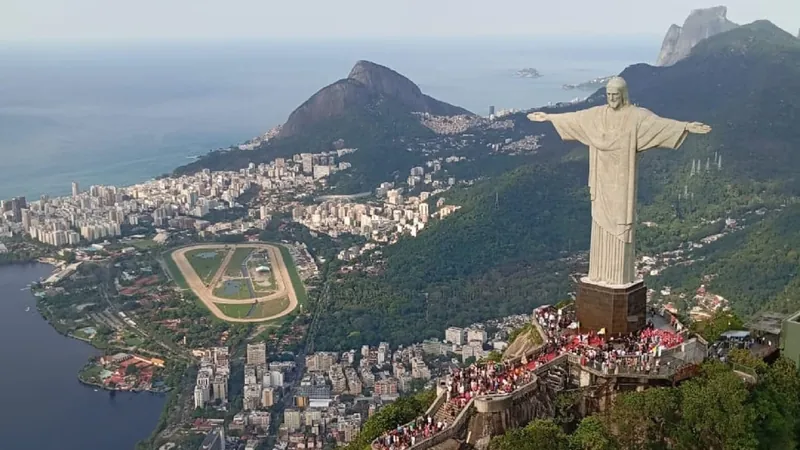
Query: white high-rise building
276, 378
291, 418
476, 334
424, 212
257, 353
383, 353
454, 335
75, 189
307, 162
201, 396
220, 385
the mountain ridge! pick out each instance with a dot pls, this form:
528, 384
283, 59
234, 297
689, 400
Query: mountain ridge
699, 25
493, 256
366, 85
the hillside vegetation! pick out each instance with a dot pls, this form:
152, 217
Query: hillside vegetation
716, 410
500, 253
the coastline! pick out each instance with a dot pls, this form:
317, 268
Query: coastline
112, 391
46, 316
47, 364
108, 364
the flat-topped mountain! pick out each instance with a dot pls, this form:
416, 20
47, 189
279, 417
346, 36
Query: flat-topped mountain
701, 24
365, 89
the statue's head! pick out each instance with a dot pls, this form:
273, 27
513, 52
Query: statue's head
617, 93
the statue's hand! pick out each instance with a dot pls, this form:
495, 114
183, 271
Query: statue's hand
697, 128
627, 232
538, 116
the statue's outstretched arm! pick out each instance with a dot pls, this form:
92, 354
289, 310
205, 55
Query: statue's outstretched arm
697, 128
570, 126
538, 116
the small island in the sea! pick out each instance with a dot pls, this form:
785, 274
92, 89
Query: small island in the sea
528, 72
591, 85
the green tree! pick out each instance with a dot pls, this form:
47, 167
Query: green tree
567, 408
713, 328
538, 435
777, 406
747, 359
593, 434
400, 412
493, 356
714, 411
545, 434
642, 420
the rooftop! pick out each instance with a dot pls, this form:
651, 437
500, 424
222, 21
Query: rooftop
795, 317
766, 322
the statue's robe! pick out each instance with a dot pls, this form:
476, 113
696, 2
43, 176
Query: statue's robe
614, 138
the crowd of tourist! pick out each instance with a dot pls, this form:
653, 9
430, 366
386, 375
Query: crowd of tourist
492, 378
636, 352
405, 436
640, 352
462, 385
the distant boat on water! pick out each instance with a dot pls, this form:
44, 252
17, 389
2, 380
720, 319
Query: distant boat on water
27, 309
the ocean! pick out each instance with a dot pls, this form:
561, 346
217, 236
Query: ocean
125, 113
45, 407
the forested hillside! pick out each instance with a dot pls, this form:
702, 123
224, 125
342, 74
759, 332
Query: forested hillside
500, 253
756, 268
713, 411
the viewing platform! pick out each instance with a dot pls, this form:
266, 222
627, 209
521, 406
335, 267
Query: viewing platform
482, 400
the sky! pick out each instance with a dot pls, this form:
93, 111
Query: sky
45, 20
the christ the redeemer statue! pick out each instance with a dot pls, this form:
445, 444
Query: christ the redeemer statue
615, 133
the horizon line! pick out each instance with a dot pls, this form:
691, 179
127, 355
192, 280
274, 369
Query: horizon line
366, 39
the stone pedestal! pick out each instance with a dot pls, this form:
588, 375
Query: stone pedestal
618, 309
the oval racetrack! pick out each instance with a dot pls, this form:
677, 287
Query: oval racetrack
206, 294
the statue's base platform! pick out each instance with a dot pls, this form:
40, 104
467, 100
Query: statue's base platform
617, 309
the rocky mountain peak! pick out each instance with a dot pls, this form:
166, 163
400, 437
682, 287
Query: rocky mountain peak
701, 24
367, 85
382, 79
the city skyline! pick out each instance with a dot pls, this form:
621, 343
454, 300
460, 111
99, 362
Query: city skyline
36, 20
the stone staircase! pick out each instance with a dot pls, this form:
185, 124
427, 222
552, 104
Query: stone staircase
557, 377
446, 413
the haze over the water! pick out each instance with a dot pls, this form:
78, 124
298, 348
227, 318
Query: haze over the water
181, 19
121, 114
118, 92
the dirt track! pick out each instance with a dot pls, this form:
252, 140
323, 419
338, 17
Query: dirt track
206, 294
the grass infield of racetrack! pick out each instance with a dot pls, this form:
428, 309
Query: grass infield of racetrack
234, 268
237, 311
261, 309
206, 268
